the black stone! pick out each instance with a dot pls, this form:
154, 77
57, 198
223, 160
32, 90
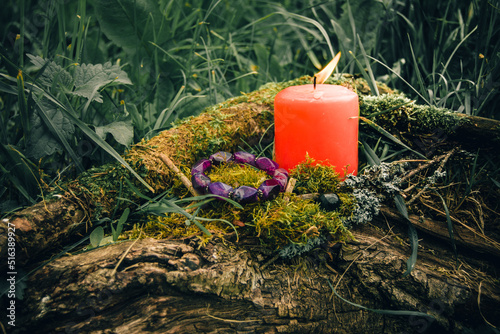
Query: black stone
329, 202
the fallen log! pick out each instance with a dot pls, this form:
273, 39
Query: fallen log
171, 286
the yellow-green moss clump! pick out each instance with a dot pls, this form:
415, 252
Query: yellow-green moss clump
238, 175
315, 177
399, 113
278, 222
296, 221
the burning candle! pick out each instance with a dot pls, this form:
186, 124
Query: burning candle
319, 120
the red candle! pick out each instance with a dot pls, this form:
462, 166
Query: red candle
321, 121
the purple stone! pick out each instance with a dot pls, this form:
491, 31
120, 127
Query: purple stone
269, 189
267, 165
220, 157
282, 171
282, 180
201, 166
244, 158
200, 182
220, 189
245, 194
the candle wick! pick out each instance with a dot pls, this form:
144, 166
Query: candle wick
314, 82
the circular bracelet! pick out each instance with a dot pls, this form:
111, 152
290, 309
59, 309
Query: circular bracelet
268, 190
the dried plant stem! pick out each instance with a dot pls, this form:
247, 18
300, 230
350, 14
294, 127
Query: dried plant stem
170, 164
445, 158
289, 189
419, 168
309, 196
426, 165
125, 254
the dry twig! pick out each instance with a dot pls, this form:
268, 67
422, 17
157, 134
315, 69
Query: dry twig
170, 164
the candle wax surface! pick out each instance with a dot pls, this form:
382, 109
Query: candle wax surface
322, 122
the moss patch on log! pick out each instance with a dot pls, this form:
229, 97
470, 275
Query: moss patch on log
278, 222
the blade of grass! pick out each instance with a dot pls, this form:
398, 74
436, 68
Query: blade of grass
17, 184
416, 66
450, 227
22, 12
372, 82
390, 136
23, 106
364, 73
168, 206
388, 312
162, 118
402, 79
313, 22
445, 67
372, 157
412, 233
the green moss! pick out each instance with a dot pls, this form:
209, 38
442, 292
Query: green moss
315, 177
397, 112
237, 175
101, 186
428, 118
281, 222
277, 222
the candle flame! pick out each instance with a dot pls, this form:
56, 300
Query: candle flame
325, 73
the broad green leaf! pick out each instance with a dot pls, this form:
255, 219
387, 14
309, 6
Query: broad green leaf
52, 73
70, 113
119, 225
95, 138
123, 132
96, 236
90, 78
124, 216
106, 241
45, 106
131, 24
42, 141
